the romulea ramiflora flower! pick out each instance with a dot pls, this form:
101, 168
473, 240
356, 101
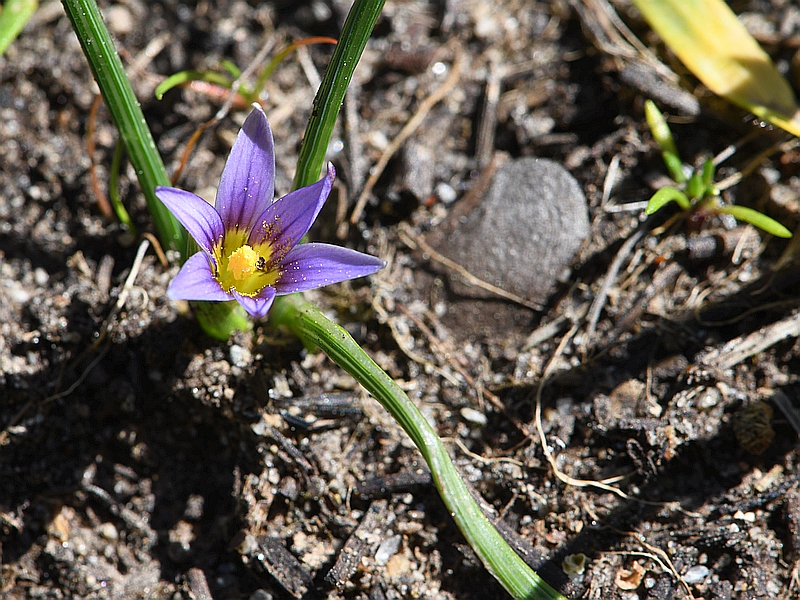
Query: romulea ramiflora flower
250, 247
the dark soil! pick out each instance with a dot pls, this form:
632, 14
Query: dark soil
141, 459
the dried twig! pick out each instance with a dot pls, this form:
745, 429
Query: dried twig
102, 201
605, 484
611, 275
741, 348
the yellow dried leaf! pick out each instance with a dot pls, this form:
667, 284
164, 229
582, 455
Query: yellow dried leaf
714, 45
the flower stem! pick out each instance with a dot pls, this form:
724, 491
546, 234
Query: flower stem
314, 329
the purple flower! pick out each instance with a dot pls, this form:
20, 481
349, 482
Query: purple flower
249, 248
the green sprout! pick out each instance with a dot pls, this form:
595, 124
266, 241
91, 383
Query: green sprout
216, 83
696, 193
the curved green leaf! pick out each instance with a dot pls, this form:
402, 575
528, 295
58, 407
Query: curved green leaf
315, 329
231, 68
118, 95
709, 170
760, 220
187, 76
355, 32
666, 195
662, 135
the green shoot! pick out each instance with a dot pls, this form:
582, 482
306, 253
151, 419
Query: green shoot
760, 220
666, 195
663, 137
187, 76
113, 192
247, 95
698, 192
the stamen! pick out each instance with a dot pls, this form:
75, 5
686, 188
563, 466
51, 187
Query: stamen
242, 262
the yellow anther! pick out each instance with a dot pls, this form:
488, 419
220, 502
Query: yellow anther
242, 262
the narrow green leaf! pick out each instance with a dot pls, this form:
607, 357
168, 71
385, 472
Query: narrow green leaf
231, 68
127, 113
674, 167
113, 192
662, 135
13, 18
695, 188
357, 28
187, 76
709, 170
715, 46
760, 220
664, 196
659, 128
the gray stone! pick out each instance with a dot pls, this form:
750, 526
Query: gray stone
525, 230
696, 574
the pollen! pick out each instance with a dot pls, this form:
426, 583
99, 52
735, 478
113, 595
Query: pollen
242, 262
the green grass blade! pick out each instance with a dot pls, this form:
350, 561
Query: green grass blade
13, 18
314, 329
760, 220
231, 68
664, 196
709, 170
356, 31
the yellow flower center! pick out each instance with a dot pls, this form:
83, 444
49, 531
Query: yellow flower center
242, 262
244, 268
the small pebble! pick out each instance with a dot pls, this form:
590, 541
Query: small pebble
709, 399
696, 574
17, 293
240, 356
108, 531
40, 276
446, 193
473, 416
387, 549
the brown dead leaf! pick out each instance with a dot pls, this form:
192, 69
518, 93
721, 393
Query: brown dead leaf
630, 579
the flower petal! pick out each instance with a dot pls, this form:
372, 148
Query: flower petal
198, 216
258, 306
310, 266
288, 219
247, 185
195, 281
